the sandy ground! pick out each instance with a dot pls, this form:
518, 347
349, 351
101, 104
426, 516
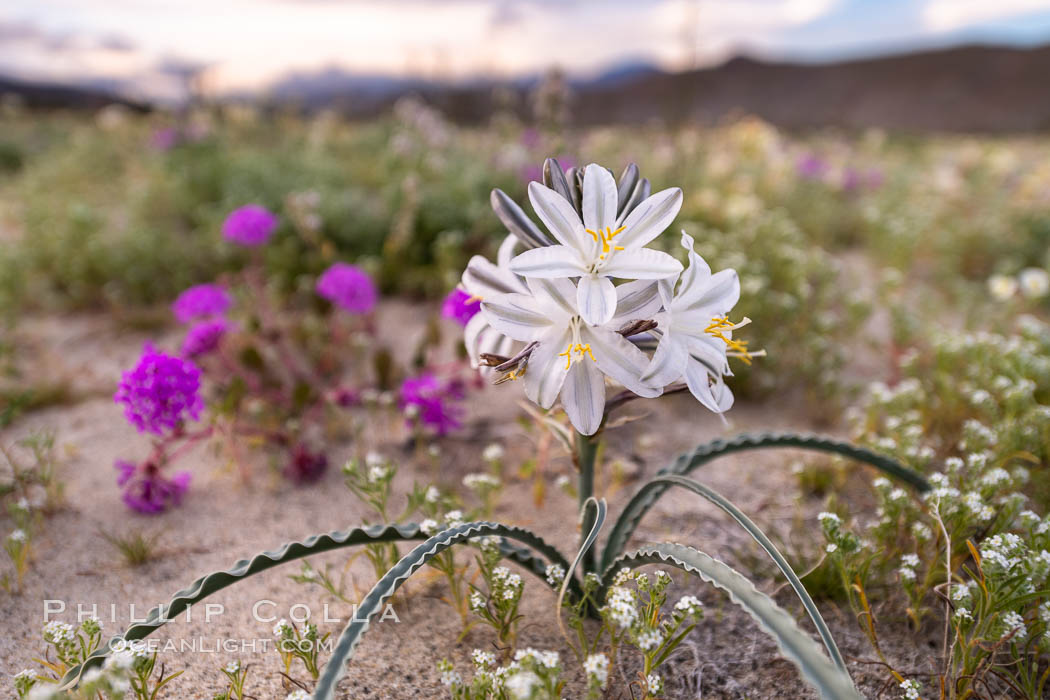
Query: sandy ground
223, 520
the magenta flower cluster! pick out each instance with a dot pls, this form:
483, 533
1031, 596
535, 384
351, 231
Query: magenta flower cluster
250, 225
204, 337
148, 490
435, 400
460, 306
160, 392
348, 287
201, 301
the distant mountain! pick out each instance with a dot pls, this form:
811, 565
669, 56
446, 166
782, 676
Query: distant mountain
970, 88
52, 96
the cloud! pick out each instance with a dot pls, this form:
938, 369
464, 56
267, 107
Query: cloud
947, 15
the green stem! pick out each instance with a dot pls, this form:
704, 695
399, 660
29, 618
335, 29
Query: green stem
586, 452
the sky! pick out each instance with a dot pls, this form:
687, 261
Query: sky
147, 47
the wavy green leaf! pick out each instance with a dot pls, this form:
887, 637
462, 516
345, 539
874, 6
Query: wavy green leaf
831, 681
315, 544
686, 462
782, 563
385, 588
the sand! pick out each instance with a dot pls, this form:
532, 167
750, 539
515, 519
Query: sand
224, 519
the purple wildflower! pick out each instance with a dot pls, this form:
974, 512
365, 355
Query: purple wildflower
160, 392
148, 490
433, 399
305, 466
164, 139
204, 337
250, 225
201, 301
811, 167
349, 287
460, 306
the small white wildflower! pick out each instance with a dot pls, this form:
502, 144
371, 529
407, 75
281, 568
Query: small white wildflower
621, 605
428, 526
963, 614
298, 694
374, 459
377, 473
910, 689
520, 686
454, 518
18, 535
477, 601
480, 481
1002, 287
953, 464
911, 560
921, 531
1034, 282
432, 495
906, 574
282, 628
650, 640
597, 668
1014, 623
689, 605
828, 518
562, 482
831, 548
233, 667
483, 659
555, 574
492, 452
655, 684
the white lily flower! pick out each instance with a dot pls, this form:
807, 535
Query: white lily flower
695, 333
572, 358
601, 246
483, 279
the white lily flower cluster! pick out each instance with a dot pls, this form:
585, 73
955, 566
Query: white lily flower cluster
576, 327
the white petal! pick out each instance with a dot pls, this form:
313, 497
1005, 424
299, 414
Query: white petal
650, 218
506, 250
698, 271
556, 297
717, 398
716, 295
596, 299
599, 198
517, 316
549, 261
708, 350
641, 264
636, 301
559, 217
619, 359
583, 396
668, 363
545, 373
471, 337
483, 279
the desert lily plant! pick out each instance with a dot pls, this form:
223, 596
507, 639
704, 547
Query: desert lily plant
552, 318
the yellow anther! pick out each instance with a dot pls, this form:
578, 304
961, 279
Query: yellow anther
579, 349
567, 355
736, 348
605, 235
474, 298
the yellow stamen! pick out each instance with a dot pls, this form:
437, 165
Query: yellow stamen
474, 298
579, 349
736, 348
604, 236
